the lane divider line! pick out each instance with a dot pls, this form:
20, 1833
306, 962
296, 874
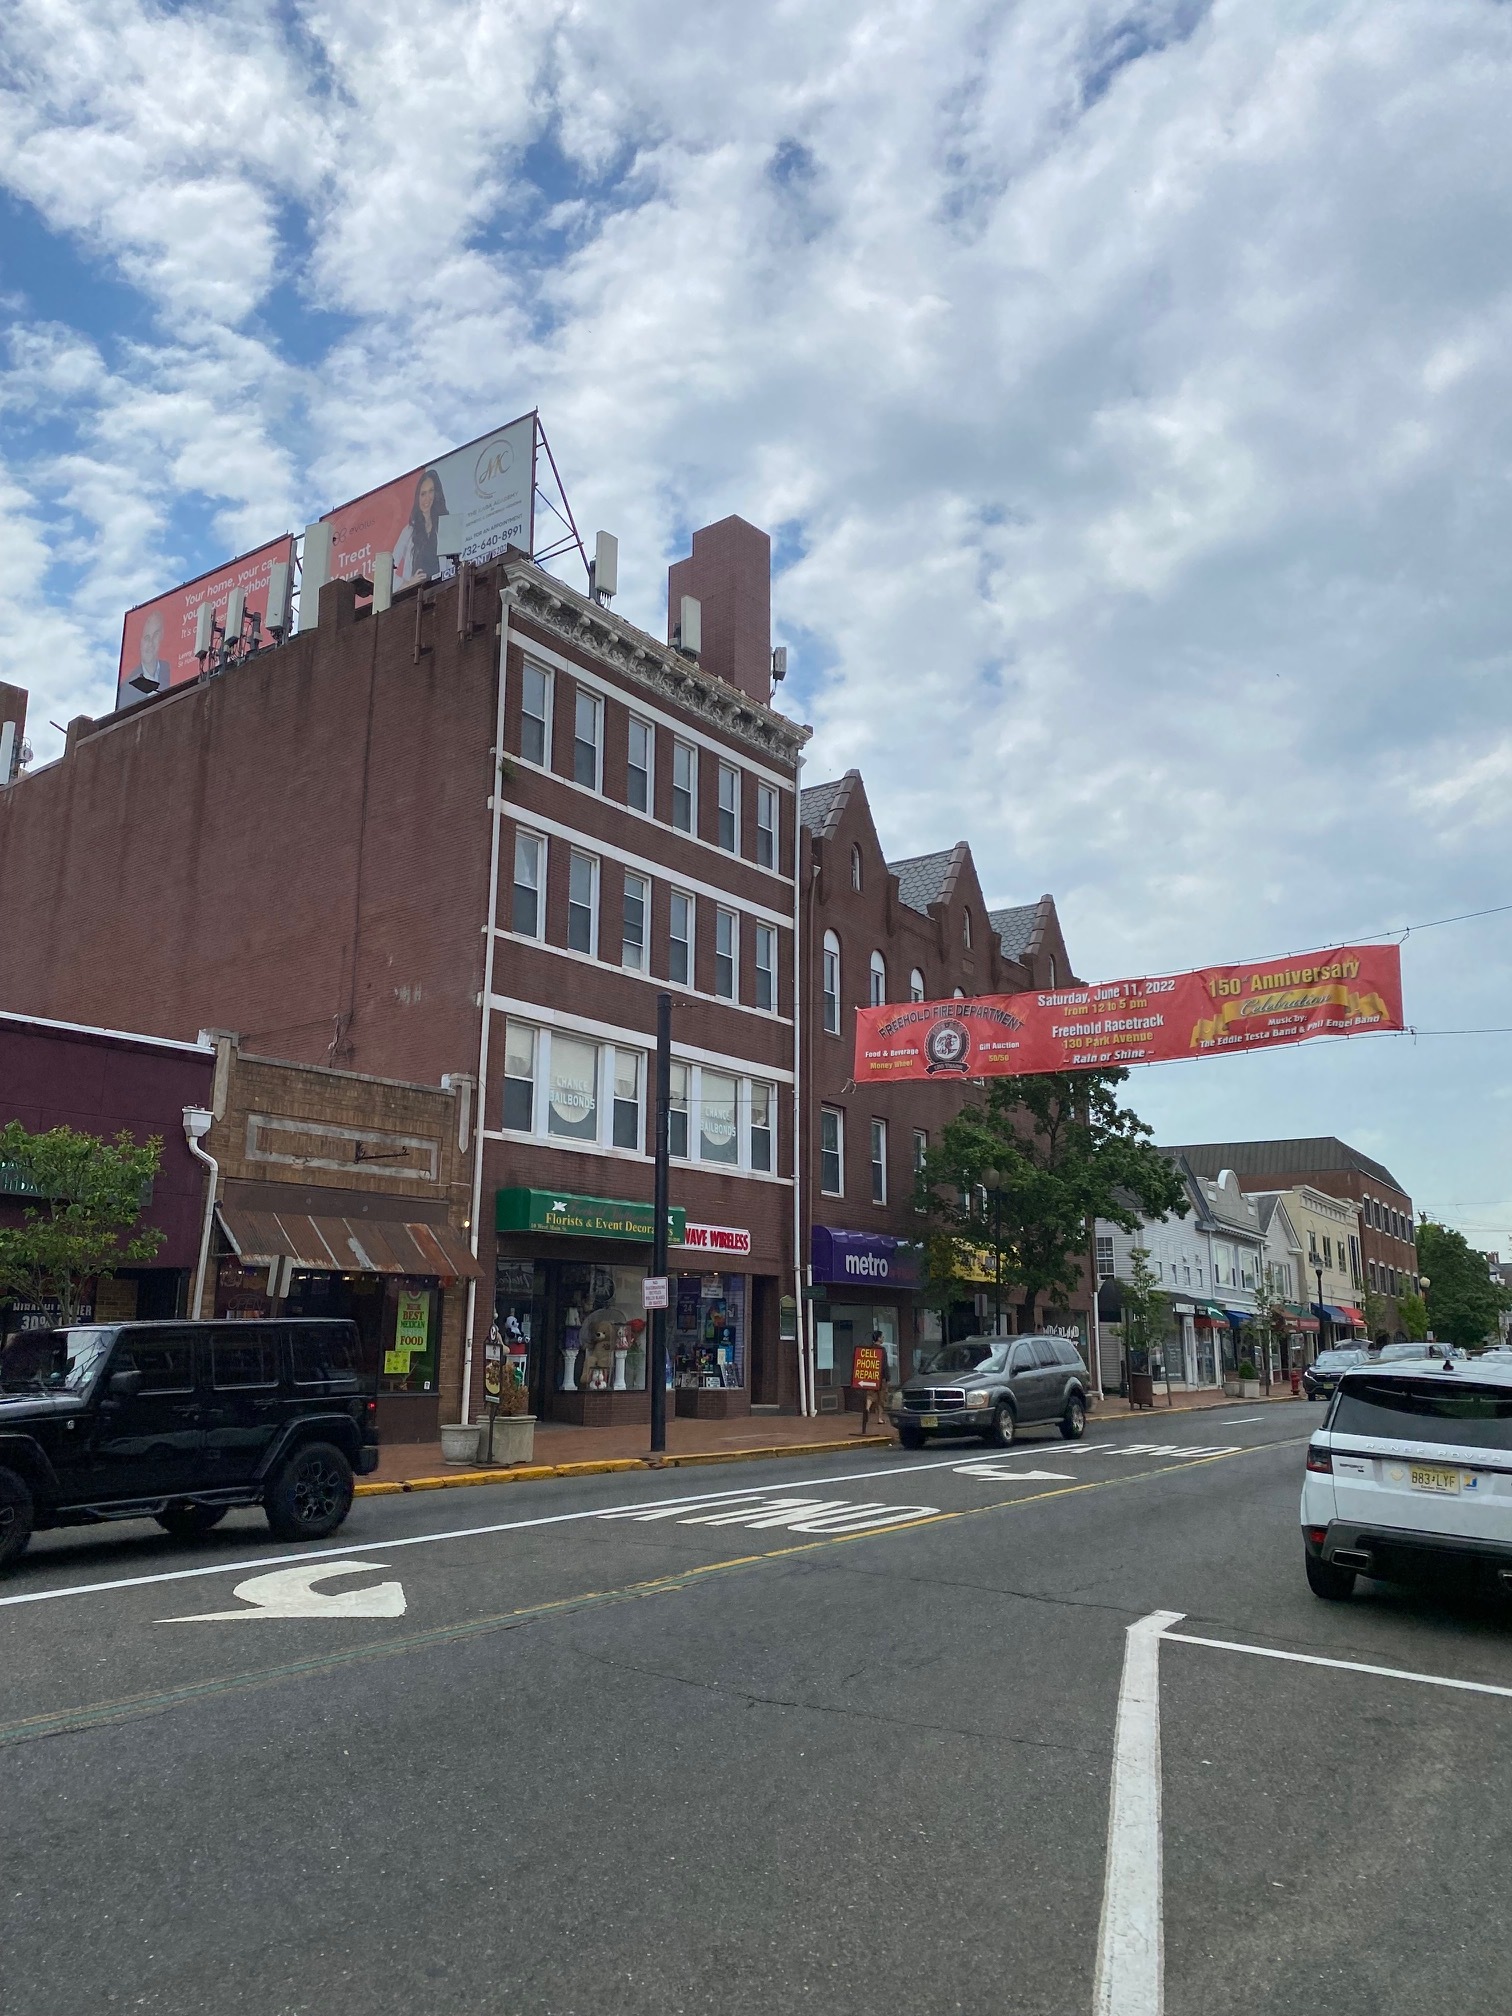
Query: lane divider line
1130, 1979
1342, 1665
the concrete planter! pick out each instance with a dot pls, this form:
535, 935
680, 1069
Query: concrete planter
513, 1439
1231, 1386
459, 1444
1249, 1389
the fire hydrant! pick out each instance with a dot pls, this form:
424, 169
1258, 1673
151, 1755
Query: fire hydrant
1296, 1381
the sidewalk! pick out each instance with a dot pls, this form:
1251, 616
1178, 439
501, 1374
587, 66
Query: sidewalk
565, 1451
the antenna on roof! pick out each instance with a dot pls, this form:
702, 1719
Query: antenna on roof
603, 568
689, 637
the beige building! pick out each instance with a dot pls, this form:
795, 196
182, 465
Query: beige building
1328, 1229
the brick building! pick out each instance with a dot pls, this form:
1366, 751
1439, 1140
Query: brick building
874, 930
473, 835
1387, 1231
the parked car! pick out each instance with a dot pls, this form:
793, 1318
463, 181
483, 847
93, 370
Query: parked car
992, 1387
1410, 1474
178, 1422
1401, 1353
1320, 1378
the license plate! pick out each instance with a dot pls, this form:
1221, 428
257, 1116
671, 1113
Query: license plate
929, 1420
1423, 1477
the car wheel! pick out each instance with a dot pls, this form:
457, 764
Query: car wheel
1074, 1420
1325, 1580
1004, 1426
188, 1522
311, 1495
910, 1436
16, 1514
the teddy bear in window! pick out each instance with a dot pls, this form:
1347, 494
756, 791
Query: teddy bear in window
597, 1338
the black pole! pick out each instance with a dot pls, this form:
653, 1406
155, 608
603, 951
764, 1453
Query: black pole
997, 1249
659, 1220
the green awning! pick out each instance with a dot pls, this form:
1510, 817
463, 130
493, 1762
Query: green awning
558, 1211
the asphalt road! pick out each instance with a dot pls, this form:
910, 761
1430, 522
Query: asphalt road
833, 1734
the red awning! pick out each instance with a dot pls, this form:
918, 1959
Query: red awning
347, 1245
1351, 1315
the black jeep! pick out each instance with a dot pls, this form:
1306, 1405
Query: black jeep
178, 1422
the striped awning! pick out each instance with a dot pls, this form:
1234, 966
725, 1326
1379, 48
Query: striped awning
347, 1245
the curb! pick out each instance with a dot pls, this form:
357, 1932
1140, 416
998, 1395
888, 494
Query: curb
534, 1473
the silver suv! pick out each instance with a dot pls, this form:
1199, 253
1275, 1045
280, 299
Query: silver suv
992, 1387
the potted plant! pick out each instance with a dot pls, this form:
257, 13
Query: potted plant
1249, 1380
509, 1434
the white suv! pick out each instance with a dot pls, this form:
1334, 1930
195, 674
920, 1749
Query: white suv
1411, 1471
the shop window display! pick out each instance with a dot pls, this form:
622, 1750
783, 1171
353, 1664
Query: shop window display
603, 1347
707, 1341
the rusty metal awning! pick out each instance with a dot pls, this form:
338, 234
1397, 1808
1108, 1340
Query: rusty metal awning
347, 1245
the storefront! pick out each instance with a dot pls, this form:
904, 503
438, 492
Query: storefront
1211, 1332
569, 1303
864, 1289
394, 1279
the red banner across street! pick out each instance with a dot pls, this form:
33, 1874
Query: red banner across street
1201, 1014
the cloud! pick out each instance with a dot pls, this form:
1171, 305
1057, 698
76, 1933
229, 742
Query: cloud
1129, 383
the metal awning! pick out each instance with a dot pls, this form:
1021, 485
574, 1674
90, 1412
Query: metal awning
347, 1245
1335, 1314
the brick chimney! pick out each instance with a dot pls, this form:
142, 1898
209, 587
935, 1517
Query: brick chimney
730, 574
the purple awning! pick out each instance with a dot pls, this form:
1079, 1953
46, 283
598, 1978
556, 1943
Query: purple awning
863, 1259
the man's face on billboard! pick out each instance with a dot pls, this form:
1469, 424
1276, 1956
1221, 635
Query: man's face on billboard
152, 641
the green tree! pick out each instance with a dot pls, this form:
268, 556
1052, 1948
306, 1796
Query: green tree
1146, 1315
1464, 1303
1412, 1314
1377, 1312
1067, 1153
89, 1195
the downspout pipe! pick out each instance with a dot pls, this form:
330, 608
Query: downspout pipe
799, 1142
197, 1124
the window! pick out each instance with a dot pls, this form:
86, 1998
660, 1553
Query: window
1354, 1260
966, 929
1186, 1272
1105, 1256
680, 945
921, 1150
572, 1104
1052, 969
1370, 1272
718, 1139
855, 867
164, 1358
878, 982
530, 851
916, 985
766, 826
535, 716
1473, 1417
677, 1113
958, 993
1312, 1244
831, 1151
729, 809
766, 966
879, 1161
638, 771
519, 1076
247, 1359
762, 1118
633, 930
1327, 1251
628, 1066
582, 902
684, 787
832, 983
587, 735
325, 1353
726, 946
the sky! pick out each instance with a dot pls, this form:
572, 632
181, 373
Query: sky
1125, 386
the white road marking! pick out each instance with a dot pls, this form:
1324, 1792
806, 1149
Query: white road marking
291, 1592
1343, 1665
1130, 1977
798, 1515
995, 1475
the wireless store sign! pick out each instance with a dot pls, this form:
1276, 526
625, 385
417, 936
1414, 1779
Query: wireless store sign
1214, 1009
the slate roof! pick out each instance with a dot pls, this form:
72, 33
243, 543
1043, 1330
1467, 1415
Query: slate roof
921, 879
819, 804
1285, 1159
1015, 928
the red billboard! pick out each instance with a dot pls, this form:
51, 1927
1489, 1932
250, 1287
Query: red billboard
157, 641
1206, 1013
488, 486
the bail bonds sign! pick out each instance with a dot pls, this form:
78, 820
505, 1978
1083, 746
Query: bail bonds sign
1348, 991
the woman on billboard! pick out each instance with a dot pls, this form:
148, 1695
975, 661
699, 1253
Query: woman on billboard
415, 557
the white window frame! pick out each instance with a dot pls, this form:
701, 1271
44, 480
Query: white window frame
766, 969
539, 842
920, 1149
855, 868
768, 842
585, 696
677, 896
533, 1029
878, 1160
728, 779
680, 749
877, 980
641, 964
727, 919
649, 729
680, 1106
836, 1114
916, 985
752, 1087
581, 854
548, 679
616, 1052
830, 969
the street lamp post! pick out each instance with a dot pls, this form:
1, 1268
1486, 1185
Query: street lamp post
992, 1183
1321, 1317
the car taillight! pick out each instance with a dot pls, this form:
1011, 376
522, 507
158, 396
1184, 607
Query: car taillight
1319, 1459
1317, 1534
372, 1408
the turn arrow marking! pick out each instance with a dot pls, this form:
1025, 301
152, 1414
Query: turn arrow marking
998, 1475
291, 1592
